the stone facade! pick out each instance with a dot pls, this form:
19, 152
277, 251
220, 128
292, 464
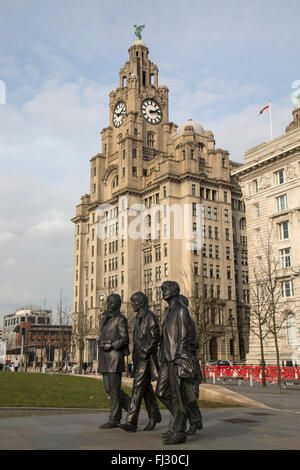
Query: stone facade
270, 182
148, 160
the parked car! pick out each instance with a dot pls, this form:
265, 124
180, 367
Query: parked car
222, 362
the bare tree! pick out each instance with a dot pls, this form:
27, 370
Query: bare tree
276, 311
82, 327
259, 315
63, 319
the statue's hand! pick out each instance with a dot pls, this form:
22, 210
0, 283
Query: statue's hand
106, 347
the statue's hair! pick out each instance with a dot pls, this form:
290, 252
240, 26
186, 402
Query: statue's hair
140, 294
117, 297
173, 284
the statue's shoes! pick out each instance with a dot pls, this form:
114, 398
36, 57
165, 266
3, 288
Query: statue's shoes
177, 438
128, 427
152, 423
194, 427
109, 425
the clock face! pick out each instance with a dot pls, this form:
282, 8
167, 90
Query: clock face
120, 110
151, 111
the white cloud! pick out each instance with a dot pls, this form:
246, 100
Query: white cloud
6, 236
54, 224
9, 262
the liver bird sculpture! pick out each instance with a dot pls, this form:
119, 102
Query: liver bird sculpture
138, 29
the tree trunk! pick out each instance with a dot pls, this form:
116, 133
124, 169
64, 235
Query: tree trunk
263, 365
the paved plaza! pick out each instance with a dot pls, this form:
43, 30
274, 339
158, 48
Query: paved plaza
274, 424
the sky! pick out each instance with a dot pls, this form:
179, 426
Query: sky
222, 61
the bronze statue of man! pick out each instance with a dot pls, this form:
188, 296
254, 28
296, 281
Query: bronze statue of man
176, 365
146, 337
113, 347
191, 387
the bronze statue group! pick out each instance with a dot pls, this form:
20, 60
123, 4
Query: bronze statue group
169, 358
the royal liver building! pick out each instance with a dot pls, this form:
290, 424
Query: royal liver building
162, 205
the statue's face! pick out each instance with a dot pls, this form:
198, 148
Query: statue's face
167, 292
137, 302
112, 303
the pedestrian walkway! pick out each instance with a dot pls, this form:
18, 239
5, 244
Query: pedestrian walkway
275, 426
288, 399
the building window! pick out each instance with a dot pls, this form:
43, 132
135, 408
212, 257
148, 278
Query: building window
194, 207
243, 224
150, 139
227, 234
166, 269
165, 191
256, 210
227, 252
229, 293
291, 330
279, 177
193, 190
255, 186
285, 256
166, 249
115, 181
205, 270
228, 272
284, 230
133, 153
226, 215
287, 288
196, 269
225, 196
215, 213
217, 271
123, 171
134, 171
281, 202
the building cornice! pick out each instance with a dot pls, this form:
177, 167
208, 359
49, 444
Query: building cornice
263, 162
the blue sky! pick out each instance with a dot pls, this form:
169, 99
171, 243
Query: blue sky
221, 60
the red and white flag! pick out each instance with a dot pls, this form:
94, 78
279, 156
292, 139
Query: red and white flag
264, 109
268, 108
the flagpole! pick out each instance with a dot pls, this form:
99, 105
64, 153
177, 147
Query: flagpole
271, 128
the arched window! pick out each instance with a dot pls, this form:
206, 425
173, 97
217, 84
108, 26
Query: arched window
115, 181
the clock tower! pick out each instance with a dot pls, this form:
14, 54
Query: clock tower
139, 118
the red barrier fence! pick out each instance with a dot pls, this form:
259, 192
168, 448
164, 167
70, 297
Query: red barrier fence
287, 373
